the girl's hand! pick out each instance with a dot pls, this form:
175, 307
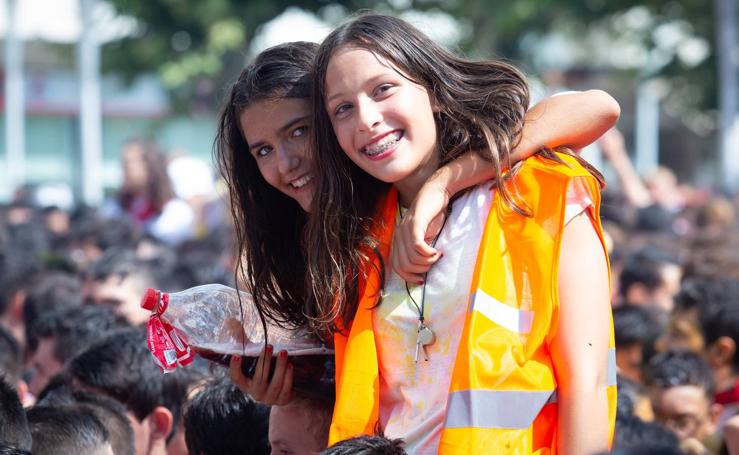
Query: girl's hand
412, 254
278, 391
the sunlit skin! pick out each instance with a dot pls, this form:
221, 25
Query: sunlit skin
382, 120
277, 132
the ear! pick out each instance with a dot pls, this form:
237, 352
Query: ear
722, 350
160, 423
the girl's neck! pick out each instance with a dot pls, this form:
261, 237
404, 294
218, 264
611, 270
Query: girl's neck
408, 187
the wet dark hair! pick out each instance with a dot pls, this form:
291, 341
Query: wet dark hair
269, 225
482, 107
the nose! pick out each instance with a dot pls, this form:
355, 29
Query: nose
287, 159
368, 115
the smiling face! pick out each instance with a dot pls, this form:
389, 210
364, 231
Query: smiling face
382, 120
277, 131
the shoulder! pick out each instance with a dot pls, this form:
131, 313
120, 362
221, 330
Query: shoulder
561, 166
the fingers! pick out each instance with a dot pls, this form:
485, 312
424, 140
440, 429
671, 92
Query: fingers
274, 388
261, 372
286, 390
411, 255
237, 377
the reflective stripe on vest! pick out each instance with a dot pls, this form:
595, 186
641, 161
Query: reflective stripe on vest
511, 409
612, 370
513, 319
505, 409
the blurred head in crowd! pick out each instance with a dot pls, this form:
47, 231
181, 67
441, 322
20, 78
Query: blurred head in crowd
697, 296
222, 420
146, 187
118, 280
121, 367
46, 292
14, 430
20, 274
68, 430
92, 235
650, 278
720, 328
663, 188
635, 330
59, 334
681, 388
301, 426
110, 412
634, 436
10, 362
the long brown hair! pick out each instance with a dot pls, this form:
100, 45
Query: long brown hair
483, 104
269, 225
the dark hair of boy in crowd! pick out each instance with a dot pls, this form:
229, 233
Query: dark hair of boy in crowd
14, 430
633, 434
222, 420
121, 366
681, 388
650, 277
49, 292
118, 279
111, 413
697, 295
10, 450
10, 356
74, 328
66, 430
635, 332
366, 445
58, 335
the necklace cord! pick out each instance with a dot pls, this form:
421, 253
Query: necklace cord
422, 307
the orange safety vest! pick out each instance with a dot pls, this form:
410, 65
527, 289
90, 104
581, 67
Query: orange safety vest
502, 397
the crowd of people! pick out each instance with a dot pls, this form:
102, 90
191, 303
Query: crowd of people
78, 377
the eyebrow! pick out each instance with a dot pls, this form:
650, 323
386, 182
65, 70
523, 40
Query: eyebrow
282, 129
370, 80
